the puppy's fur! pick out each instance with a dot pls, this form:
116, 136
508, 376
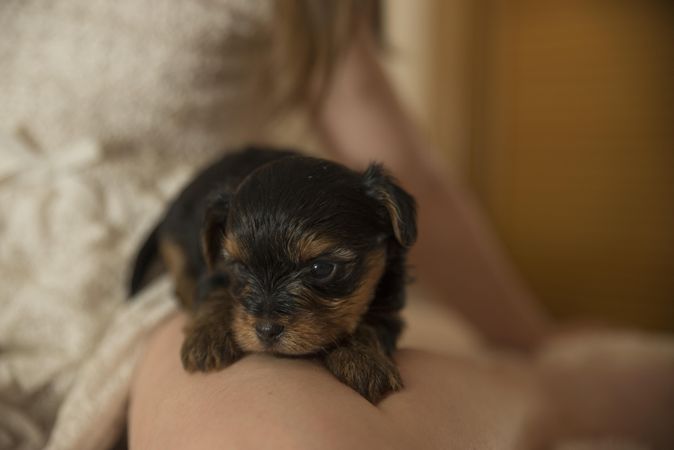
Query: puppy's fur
276, 252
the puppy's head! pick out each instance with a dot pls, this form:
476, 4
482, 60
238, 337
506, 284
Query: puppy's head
306, 242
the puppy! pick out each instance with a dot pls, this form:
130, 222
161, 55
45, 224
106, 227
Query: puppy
275, 252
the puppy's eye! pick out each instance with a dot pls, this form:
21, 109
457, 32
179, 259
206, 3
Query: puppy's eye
322, 270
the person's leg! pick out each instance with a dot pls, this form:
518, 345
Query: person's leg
611, 384
579, 387
264, 401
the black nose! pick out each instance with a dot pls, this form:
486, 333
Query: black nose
268, 332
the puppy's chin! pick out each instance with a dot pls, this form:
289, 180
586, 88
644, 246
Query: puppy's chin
284, 348
291, 344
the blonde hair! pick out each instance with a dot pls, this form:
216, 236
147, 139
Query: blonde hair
307, 39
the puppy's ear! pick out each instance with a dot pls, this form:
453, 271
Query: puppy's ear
400, 206
213, 230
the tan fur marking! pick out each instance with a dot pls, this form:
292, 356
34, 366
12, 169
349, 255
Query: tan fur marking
310, 247
394, 213
174, 258
303, 336
243, 327
231, 246
307, 334
362, 364
209, 344
349, 311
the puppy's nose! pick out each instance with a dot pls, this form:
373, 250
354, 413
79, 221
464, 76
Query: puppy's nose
268, 332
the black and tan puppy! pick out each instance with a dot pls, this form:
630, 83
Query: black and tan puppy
275, 252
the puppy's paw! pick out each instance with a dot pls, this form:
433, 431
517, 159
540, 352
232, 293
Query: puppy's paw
207, 349
371, 374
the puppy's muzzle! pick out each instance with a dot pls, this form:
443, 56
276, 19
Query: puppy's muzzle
268, 332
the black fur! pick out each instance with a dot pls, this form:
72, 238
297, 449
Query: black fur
268, 204
144, 259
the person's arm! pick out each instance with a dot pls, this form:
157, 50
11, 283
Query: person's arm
456, 256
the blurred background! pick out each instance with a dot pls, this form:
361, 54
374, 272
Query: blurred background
560, 115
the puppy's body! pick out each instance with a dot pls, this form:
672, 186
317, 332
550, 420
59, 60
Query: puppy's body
276, 252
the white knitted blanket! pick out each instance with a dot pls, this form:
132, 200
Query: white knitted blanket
68, 340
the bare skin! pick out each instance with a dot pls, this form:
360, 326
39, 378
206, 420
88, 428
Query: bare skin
460, 397
264, 401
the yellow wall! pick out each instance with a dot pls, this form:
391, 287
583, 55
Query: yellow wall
561, 114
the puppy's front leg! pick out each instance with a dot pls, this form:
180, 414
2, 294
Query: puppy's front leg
361, 363
209, 343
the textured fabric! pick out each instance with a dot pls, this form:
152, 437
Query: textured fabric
106, 108
69, 231
174, 75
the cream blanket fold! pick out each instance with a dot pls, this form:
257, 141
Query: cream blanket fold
69, 228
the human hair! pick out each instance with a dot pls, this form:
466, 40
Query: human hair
307, 39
